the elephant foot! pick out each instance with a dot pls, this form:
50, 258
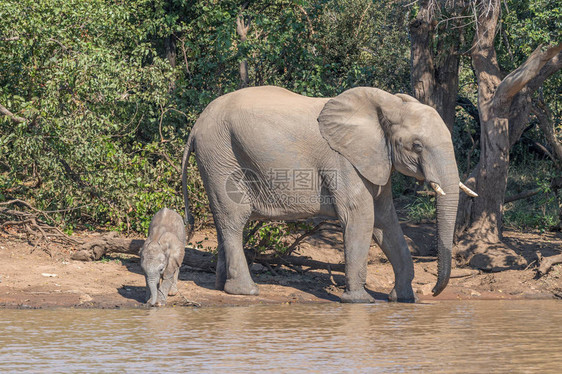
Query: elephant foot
358, 296
157, 304
403, 297
173, 291
239, 287
161, 299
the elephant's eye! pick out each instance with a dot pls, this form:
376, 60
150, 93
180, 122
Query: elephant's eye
417, 146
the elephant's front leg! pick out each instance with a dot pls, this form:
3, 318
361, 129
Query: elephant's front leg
166, 286
169, 285
358, 229
389, 236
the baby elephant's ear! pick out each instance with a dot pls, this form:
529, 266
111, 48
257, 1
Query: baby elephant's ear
355, 123
144, 245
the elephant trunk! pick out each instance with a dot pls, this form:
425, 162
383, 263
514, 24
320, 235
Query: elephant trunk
447, 205
152, 288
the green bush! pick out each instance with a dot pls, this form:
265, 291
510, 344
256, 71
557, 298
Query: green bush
540, 211
110, 90
101, 131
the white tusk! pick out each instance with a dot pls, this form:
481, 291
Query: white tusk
437, 188
467, 190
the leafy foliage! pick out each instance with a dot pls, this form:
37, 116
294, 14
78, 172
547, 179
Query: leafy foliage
110, 90
85, 75
540, 211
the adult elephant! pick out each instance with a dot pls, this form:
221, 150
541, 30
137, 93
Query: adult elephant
265, 153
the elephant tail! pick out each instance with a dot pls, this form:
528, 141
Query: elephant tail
189, 220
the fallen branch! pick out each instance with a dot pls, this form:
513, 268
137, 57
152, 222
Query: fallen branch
299, 261
546, 263
100, 246
458, 272
203, 261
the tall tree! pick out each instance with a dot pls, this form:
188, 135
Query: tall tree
503, 104
504, 98
435, 54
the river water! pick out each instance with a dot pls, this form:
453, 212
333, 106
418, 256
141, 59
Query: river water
452, 337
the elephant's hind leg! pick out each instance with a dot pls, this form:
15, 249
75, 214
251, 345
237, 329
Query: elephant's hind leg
232, 261
174, 286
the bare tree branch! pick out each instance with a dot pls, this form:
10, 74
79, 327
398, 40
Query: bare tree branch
311, 29
522, 195
13, 117
31, 223
184, 51
520, 77
522, 101
551, 67
242, 28
167, 158
361, 19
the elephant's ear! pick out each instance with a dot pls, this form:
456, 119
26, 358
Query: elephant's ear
354, 124
145, 245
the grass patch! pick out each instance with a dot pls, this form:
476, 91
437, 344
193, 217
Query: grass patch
421, 209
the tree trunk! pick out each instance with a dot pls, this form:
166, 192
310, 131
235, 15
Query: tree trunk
434, 71
170, 47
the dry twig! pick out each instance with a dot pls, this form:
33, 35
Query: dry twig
29, 221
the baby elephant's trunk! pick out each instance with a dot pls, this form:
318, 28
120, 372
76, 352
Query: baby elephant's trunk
152, 289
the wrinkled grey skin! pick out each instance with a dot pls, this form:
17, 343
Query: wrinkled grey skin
360, 136
162, 255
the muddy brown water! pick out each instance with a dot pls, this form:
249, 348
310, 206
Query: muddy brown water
457, 336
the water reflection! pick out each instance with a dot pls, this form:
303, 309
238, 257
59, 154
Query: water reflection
478, 336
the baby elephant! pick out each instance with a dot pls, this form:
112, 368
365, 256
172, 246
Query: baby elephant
162, 255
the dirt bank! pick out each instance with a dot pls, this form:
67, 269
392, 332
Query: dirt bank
32, 278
